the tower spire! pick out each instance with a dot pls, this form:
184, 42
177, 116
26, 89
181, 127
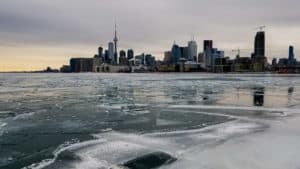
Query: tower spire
116, 45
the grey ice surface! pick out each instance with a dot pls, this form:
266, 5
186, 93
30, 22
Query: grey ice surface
206, 121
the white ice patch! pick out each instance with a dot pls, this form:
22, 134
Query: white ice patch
228, 108
62, 148
119, 148
113, 106
24, 116
2, 125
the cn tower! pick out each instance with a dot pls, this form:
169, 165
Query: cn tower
116, 45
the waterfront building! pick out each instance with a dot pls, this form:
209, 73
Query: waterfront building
150, 60
274, 62
130, 54
82, 65
122, 59
176, 54
192, 51
292, 60
111, 52
168, 57
259, 45
106, 56
207, 53
242, 64
140, 59
184, 52
100, 52
259, 60
207, 45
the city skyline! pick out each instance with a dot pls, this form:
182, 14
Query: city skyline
32, 42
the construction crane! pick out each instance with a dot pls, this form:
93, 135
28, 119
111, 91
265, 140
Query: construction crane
261, 28
238, 52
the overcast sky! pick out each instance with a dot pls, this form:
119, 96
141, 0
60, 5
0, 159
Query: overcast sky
38, 33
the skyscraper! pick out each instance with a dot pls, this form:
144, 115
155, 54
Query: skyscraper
207, 45
192, 50
291, 55
100, 52
259, 44
130, 54
259, 59
184, 52
122, 59
176, 53
116, 46
207, 53
106, 56
122, 53
111, 52
168, 57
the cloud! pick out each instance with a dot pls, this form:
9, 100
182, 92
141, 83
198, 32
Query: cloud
149, 26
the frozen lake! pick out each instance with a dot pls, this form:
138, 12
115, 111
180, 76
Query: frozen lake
143, 121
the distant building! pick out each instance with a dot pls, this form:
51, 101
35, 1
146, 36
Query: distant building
122, 53
242, 64
259, 60
100, 52
222, 65
130, 54
207, 45
184, 52
106, 56
210, 55
168, 57
65, 69
111, 52
292, 60
140, 59
274, 62
82, 64
259, 45
200, 58
192, 50
207, 53
150, 60
122, 59
176, 54
283, 62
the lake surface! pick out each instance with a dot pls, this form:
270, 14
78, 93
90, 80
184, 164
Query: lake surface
139, 121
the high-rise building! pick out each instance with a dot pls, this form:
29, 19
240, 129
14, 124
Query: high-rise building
116, 46
150, 60
100, 52
259, 45
208, 53
259, 59
192, 50
106, 56
168, 57
122, 53
291, 55
184, 52
130, 54
122, 59
111, 52
207, 45
176, 53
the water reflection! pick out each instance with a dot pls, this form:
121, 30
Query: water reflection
291, 90
258, 96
